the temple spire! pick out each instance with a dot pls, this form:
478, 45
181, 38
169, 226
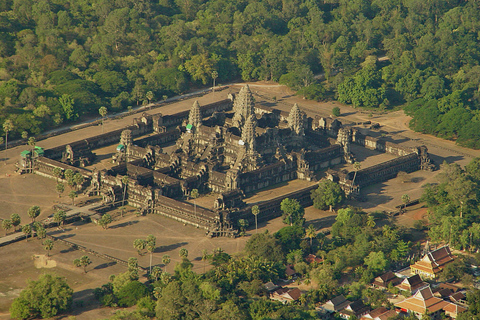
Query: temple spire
296, 120
195, 115
243, 106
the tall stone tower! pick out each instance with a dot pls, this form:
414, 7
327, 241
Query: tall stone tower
195, 115
248, 132
243, 106
296, 120
126, 138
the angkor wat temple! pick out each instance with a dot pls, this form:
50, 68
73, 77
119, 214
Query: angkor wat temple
231, 148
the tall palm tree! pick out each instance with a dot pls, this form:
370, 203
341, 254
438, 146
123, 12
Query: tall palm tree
85, 261
140, 245
255, 212
371, 221
34, 212
311, 233
27, 229
151, 245
16, 220
7, 127
204, 258
166, 261
59, 217
48, 244
103, 112
405, 200
7, 225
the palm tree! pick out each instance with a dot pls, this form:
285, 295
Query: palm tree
41, 232
34, 212
85, 261
149, 96
140, 245
59, 217
7, 225
7, 127
57, 172
156, 272
72, 194
356, 166
48, 244
125, 183
103, 112
27, 229
405, 200
79, 179
214, 77
166, 260
60, 188
311, 233
32, 142
16, 220
204, 258
255, 212
371, 222
194, 194
183, 253
151, 245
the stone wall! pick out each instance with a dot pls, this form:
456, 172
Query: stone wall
45, 166
380, 144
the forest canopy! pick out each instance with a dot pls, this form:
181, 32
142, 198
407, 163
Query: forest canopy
61, 59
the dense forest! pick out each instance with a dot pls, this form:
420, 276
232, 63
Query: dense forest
63, 59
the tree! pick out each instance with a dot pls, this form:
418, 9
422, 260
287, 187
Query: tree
67, 103
27, 229
311, 233
105, 220
166, 260
48, 245
58, 173
214, 77
376, 261
41, 233
183, 253
149, 96
242, 225
6, 225
60, 188
44, 298
16, 220
72, 195
32, 142
156, 273
24, 134
205, 256
78, 179
34, 212
336, 111
7, 127
133, 268
371, 221
293, 212
85, 262
405, 200
255, 212
194, 194
103, 113
328, 195
151, 244
140, 245
59, 217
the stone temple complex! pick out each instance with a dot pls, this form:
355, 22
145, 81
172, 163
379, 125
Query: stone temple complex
230, 148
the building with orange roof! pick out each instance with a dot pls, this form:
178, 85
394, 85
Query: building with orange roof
425, 302
432, 263
412, 284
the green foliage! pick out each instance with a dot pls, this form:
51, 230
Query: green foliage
290, 237
293, 212
130, 293
44, 298
336, 111
264, 245
328, 195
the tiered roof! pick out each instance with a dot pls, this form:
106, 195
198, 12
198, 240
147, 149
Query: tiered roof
433, 262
